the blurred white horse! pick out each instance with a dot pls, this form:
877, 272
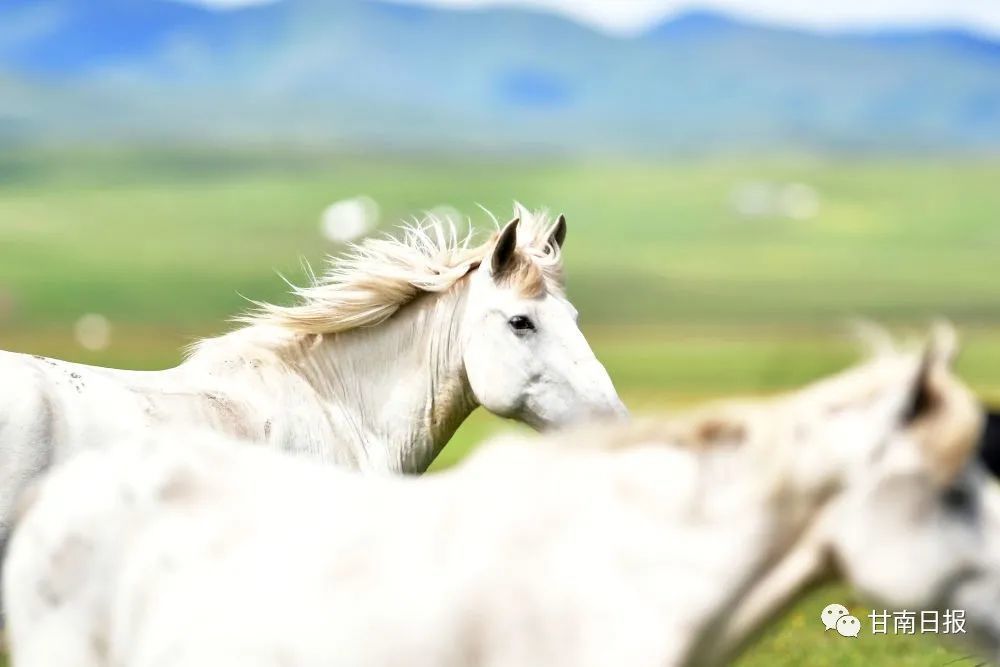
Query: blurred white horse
376, 367
651, 545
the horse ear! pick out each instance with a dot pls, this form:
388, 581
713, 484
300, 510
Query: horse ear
504, 248
922, 397
947, 418
558, 236
942, 348
938, 359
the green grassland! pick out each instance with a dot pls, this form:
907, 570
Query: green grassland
683, 300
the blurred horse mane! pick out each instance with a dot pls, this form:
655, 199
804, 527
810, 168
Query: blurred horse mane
378, 276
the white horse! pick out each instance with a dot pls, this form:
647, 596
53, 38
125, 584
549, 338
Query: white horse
660, 544
374, 369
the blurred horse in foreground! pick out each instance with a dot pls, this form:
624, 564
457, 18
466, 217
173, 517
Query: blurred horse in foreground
661, 543
374, 369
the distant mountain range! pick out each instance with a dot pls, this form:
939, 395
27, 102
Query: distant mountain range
372, 74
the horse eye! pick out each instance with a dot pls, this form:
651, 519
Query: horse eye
521, 324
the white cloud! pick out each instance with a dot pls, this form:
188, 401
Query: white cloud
622, 16
630, 16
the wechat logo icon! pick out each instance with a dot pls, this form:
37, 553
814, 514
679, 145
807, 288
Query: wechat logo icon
837, 617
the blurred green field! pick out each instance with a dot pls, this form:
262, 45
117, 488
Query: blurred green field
683, 299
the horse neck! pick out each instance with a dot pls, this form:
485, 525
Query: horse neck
800, 479
399, 389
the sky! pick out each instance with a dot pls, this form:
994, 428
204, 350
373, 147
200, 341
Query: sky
630, 16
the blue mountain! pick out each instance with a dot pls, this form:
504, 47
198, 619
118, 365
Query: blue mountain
377, 74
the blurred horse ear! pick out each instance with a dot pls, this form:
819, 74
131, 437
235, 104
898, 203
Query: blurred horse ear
558, 236
938, 358
504, 249
942, 348
944, 416
922, 396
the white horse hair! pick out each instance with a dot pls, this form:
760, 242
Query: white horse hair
661, 543
374, 369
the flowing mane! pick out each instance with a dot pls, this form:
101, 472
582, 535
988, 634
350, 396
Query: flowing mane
375, 278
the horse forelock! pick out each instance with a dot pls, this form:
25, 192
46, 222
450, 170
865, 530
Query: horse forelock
376, 277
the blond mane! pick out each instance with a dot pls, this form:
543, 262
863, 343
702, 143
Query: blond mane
375, 278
